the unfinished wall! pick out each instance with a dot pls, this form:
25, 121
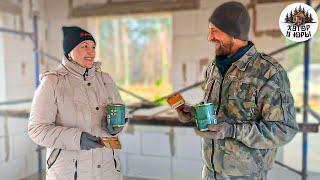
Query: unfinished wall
57, 16
149, 152
18, 158
164, 153
191, 48
2, 70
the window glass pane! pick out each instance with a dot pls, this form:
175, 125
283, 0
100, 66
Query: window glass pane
136, 52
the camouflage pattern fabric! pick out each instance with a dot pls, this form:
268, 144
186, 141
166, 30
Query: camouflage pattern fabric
256, 99
209, 175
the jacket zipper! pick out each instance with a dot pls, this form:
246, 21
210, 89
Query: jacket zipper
219, 102
217, 111
85, 74
76, 173
115, 161
212, 141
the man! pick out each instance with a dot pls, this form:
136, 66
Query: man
251, 94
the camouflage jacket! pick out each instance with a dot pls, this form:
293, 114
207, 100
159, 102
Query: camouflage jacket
255, 97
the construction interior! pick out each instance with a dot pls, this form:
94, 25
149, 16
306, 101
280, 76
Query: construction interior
151, 49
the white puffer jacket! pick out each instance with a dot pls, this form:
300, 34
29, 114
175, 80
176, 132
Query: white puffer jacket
68, 102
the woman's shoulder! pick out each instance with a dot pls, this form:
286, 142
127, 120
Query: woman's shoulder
107, 77
58, 71
52, 76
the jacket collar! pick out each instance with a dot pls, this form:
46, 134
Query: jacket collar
79, 71
243, 62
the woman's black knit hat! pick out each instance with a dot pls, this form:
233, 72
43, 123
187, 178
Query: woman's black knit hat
72, 36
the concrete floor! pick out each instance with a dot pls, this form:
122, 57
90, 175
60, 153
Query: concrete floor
42, 176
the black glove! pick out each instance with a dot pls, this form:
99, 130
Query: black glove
87, 141
112, 130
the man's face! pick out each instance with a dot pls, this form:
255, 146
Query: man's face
222, 41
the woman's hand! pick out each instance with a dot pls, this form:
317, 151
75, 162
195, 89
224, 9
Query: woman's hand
87, 141
113, 130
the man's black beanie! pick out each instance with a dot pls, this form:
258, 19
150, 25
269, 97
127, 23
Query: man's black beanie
72, 36
233, 19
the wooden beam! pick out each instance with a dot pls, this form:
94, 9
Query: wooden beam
274, 1
132, 7
8, 7
310, 127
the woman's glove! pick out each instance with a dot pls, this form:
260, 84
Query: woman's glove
87, 141
112, 130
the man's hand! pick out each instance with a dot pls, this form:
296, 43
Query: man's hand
218, 131
186, 114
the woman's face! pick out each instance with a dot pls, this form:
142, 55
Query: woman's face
84, 53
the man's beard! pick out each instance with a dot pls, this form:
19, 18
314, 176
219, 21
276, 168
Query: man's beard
224, 48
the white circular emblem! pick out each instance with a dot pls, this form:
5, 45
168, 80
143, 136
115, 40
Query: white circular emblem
298, 22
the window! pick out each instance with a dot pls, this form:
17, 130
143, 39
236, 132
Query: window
136, 52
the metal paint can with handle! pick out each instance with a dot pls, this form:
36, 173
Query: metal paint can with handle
204, 115
116, 115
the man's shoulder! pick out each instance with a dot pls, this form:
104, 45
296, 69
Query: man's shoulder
269, 61
267, 65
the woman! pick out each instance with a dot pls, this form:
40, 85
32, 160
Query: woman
68, 110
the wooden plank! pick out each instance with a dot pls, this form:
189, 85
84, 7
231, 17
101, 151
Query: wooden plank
310, 127
132, 7
158, 116
170, 118
15, 113
9, 7
274, 1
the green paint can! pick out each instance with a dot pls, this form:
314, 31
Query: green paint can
116, 115
204, 115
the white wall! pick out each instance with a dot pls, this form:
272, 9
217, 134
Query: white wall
17, 55
190, 30
176, 152
2, 66
18, 157
57, 16
17, 151
164, 153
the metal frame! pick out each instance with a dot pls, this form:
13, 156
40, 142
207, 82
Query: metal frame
34, 37
305, 105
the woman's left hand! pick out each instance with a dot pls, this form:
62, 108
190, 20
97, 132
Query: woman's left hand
115, 130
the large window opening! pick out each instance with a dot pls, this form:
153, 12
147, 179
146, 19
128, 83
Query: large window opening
136, 52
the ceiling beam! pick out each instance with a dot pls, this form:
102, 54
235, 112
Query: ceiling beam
8, 7
274, 1
132, 7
